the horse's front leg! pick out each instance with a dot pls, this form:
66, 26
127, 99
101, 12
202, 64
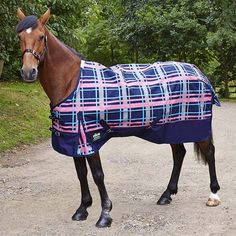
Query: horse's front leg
86, 199
178, 152
105, 219
208, 152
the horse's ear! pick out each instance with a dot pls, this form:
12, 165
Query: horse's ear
20, 14
45, 17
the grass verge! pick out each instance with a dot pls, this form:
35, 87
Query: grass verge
233, 100
24, 114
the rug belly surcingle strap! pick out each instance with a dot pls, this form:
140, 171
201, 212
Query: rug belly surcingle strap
106, 127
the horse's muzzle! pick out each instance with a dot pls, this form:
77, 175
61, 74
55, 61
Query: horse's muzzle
29, 75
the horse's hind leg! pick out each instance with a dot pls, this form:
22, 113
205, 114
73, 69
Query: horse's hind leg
105, 219
207, 153
178, 152
86, 199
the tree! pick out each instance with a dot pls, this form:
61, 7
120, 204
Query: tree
99, 40
126, 31
166, 30
222, 41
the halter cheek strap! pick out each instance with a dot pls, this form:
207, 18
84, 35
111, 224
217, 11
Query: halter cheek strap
38, 57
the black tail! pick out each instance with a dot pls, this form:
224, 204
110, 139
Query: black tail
200, 154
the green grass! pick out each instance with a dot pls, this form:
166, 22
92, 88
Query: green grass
24, 114
232, 94
233, 100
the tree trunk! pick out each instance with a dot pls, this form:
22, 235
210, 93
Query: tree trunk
136, 55
226, 80
1, 67
112, 55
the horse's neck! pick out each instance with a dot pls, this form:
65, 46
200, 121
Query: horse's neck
59, 71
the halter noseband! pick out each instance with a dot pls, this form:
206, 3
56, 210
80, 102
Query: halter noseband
37, 56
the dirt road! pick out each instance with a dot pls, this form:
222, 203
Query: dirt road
39, 190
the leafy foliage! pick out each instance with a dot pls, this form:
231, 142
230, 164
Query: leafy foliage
202, 32
222, 42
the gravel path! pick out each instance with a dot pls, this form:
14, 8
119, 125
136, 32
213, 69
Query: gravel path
39, 190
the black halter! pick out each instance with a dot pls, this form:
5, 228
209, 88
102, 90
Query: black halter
37, 56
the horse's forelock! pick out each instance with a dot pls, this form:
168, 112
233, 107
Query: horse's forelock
27, 22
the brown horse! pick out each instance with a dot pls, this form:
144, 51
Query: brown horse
57, 68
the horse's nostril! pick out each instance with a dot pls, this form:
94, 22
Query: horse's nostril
34, 71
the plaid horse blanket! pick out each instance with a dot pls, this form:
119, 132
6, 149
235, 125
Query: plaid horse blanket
164, 102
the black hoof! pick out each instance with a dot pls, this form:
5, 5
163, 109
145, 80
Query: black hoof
104, 222
80, 215
164, 200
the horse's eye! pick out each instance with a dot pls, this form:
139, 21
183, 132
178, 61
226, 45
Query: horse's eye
41, 37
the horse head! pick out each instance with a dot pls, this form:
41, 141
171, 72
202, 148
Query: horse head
33, 43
